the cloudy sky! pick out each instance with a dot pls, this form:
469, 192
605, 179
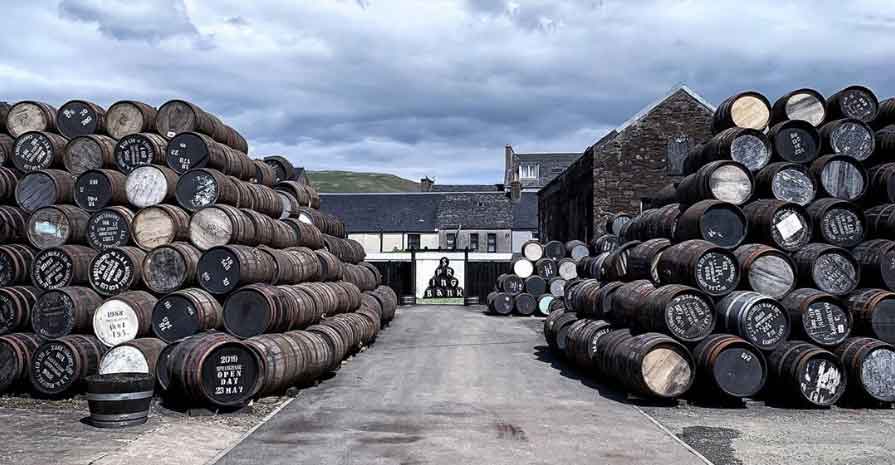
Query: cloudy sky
434, 87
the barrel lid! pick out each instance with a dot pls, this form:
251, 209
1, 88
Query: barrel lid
821, 379
676, 367
186, 151
793, 184
835, 271
796, 141
77, 118
115, 322
723, 224
134, 150
717, 272
53, 314
93, 191
219, 270
876, 372
123, 359
739, 371
883, 320
826, 322
54, 368
842, 177
247, 313
108, 228
230, 374
196, 189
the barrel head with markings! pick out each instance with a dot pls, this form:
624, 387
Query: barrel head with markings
739, 371
790, 229
108, 228
174, 317
805, 106
772, 275
751, 151
93, 191
717, 273
134, 151
843, 179
33, 151
826, 323
690, 316
78, 118
115, 322
724, 226
53, 315
852, 139
793, 185
797, 143
230, 374
185, 152
124, 359
53, 368
836, 272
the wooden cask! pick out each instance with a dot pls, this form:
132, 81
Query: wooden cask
337, 343
13, 224
755, 317
9, 179
221, 225
721, 223
62, 266
308, 235
128, 117
15, 264
567, 269
840, 176
511, 284
848, 137
700, 264
284, 360
170, 267
43, 188
282, 168
795, 141
178, 116
64, 311
57, 225
766, 270
885, 115
837, 222
160, 225
828, 268
801, 104
873, 311
16, 303
880, 221
225, 268
628, 301
97, 189
38, 151
681, 312
654, 223
124, 317
110, 227
582, 342
557, 286
328, 266
119, 400
856, 102
532, 250
877, 259
593, 301
786, 181
63, 364
652, 365
555, 250
881, 184
191, 150
184, 313
134, 356
28, 115
80, 118
536, 285
205, 187
615, 265
16, 351
525, 304
142, 149
749, 147
744, 110
150, 185
89, 152
731, 365
817, 317
556, 328
264, 174
784, 225
643, 259
615, 222
870, 364
545, 268
116, 270
257, 309
522, 267
724, 180
605, 243
808, 374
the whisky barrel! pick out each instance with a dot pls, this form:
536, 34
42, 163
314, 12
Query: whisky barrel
643, 258
881, 184
532, 250
884, 146
577, 250
546, 268
848, 137
885, 115
284, 360
873, 311
784, 225
134, 356
786, 181
57, 225
615, 222
795, 141
141, 149
159, 225
522, 267
264, 174
701, 264
655, 223
9, 179
62, 364
80, 118
170, 267
124, 317
89, 152
840, 176
191, 150
545, 304
801, 104
178, 116
856, 102
525, 304
16, 304
66, 265
283, 168
15, 264
681, 312
582, 340
628, 301
557, 286
308, 235
304, 309
214, 369
13, 222
329, 268
29, 115
205, 187
734, 367
724, 180
811, 375
256, 309
615, 265
64, 311
880, 221
748, 147
534, 285
877, 259
4, 112
119, 400
870, 364
755, 317
128, 117
223, 269
828, 268
43, 188
185, 313
97, 189
747, 109
222, 225
721, 223
501, 303
556, 328
651, 364
16, 351
599, 304
116, 270
766, 270
567, 269
292, 268
110, 227
837, 222
38, 151
389, 301
817, 317
555, 250
150, 185
605, 243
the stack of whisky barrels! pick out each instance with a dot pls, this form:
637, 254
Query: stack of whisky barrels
540, 273
768, 269
146, 240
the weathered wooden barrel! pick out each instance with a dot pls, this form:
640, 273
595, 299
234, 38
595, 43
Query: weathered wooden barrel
795, 141
786, 181
185, 313
347, 250
801, 104
9, 179
870, 364
749, 147
116, 270
848, 137
701, 264
873, 313
264, 174
110, 227
755, 317
284, 360
682, 312
160, 225
16, 303
544, 304
304, 307
308, 234
66, 265
811, 375
44, 188
574, 295
29, 115
546, 268
654, 223
124, 317
214, 368
64, 311
336, 341
732, 366
205, 187
7, 145
650, 364
881, 187
615, 222
724, 180
766, 270
877, 259
885, 116
328, 266
80, 118
785, 225
880, 221
582, 341
643, 258
57, 225
283, 168
585, 264
89, 152
15, 359
178, 116
567, 269
4, 112
664, 196
840, 176
501, 303
38, 151
628, 301
128, 117
134, 356
119, 400
525, 304
256, 309
534, 285
615, 265
721, 223
223, 269
856, 102
294, 267
170, 267
221, 225
191, 150
141, 149
61, 365
554, 325
532, 250
97, 189
557, 286
828, 268
747, 109
555, 250
817, 317
838, 222
150, 185
522, 267
15, 264
388, 299
577, 250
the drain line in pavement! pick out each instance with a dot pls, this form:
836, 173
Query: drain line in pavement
674, 436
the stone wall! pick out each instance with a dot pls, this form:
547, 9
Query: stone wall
475, 210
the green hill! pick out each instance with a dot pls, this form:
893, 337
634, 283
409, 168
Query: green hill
349, 181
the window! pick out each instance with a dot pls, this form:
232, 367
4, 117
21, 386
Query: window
474, 242
528, 171
676, 154
556, 170
492, 242
413, 241
451, 241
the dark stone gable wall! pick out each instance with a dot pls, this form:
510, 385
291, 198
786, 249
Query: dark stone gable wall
565, 205
475, 211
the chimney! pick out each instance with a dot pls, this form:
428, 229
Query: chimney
426, 184
509, 169
515, 191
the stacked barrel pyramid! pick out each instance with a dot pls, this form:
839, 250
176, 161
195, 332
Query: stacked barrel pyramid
147, 240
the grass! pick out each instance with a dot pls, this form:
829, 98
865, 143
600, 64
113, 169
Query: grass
349, 181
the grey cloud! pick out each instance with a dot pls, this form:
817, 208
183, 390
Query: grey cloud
152, 20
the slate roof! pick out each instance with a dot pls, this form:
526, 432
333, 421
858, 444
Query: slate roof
392, 212
525, 212
466, 188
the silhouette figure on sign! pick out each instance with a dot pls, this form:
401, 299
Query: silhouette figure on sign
444, 284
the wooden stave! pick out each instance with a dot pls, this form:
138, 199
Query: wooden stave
63, 189
15, 264
869, 316
877, 259
819, 167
